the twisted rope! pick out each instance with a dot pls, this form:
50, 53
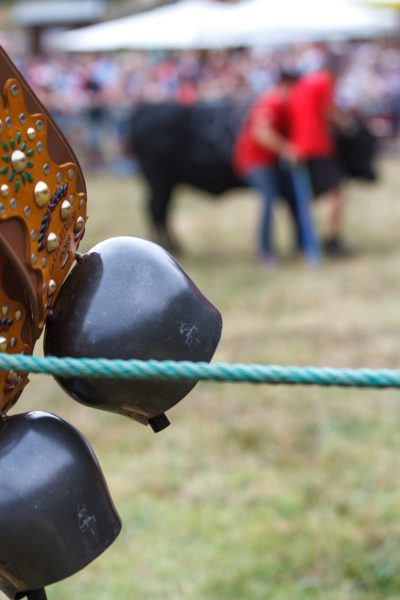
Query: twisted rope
185, 370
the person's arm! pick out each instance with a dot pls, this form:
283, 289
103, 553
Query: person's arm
269, 138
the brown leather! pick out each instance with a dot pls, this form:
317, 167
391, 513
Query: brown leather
42, 209
15, 326
59, 148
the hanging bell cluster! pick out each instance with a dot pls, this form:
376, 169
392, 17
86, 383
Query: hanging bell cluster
57, 514
126, 298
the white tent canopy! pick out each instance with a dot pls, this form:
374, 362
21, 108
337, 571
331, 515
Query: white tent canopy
269, 21
210, 24
185, 24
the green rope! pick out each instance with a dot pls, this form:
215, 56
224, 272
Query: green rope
185, 370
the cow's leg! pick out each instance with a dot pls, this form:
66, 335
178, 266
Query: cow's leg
159, 201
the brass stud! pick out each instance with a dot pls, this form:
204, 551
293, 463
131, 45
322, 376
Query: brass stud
18, 315
31, 133
13, 204
46, 169
13, 342
14, 90
42, 194
12, 377
70, 174
52, 242
27, 211
33, 235
3, 343
18, 161
4, 190
22, 118
51, 288
44, 262
79, 225
8, 122
34, 258
81, 203
4, 310
72, 198
65, 210
59, 177
39, 124
40, 147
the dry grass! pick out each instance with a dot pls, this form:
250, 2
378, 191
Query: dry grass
258, 493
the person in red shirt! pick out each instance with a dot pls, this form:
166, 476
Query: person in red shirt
262, 140
312, 116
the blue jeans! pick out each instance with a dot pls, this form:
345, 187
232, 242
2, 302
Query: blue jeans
303, 201
265, 181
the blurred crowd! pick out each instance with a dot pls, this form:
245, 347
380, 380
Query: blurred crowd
92, 95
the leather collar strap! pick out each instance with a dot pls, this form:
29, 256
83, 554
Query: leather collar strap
42, 217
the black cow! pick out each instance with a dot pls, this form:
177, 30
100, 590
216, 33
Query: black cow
176, 144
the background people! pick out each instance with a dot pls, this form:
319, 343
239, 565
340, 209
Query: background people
368, 82
262, 141
313, 115
92, 96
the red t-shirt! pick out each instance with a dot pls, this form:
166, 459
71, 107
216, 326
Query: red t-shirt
310, 101
248, 152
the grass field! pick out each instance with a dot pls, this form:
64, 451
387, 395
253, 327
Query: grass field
257, 492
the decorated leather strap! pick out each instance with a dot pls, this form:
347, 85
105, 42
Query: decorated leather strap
15, 329
42, 218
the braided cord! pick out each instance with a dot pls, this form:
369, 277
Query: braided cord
185, 370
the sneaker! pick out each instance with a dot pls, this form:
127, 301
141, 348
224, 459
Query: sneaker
335, 248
